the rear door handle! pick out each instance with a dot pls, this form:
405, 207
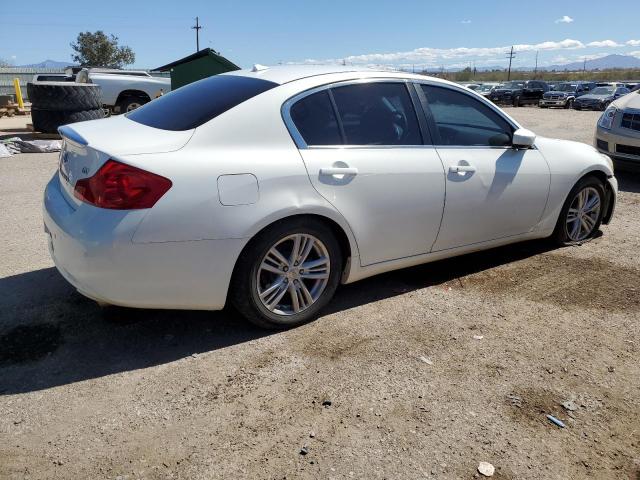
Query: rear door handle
338, 171
462, 168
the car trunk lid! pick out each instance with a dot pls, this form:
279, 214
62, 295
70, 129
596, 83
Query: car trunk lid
87, 146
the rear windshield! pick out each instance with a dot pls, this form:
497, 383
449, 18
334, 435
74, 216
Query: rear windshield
194, 104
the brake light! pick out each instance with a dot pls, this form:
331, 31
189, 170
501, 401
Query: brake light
119, 186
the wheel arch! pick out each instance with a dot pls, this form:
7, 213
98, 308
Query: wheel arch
338, 226
133, 93
608, 190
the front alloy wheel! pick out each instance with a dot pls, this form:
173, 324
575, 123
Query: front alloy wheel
287, 273
582, 213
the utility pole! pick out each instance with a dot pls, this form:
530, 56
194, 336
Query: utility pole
510, 55
197, 28
584, 65
535, 72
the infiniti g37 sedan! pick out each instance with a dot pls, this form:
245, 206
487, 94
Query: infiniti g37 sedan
267, 188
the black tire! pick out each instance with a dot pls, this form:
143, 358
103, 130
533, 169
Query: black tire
516, 101
243, 289
48, 121
129, 104
569, 104
561, 235
64, 96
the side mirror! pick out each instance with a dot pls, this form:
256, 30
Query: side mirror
523, 138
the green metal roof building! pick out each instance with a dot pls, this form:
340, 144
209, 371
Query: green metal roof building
202, 64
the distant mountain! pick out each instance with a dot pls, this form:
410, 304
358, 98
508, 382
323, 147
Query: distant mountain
47, 64
602, 63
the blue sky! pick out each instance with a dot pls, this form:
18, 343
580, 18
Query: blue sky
402, 33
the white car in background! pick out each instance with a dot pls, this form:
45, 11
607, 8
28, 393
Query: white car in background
269, 187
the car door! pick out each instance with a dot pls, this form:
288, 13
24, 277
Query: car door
493, 191
362, 143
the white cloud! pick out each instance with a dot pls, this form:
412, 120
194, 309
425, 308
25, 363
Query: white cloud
635, 54
633, 43
465, 22
565, 19
436, 57
604, 43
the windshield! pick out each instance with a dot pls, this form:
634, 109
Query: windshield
194, 104
484, 88
566, 87
513, 85
602, 91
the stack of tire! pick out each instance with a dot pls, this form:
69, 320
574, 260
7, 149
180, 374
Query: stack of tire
54, 104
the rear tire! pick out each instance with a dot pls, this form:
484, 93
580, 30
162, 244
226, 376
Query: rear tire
516, 102
129, 104
272, 294
48, 121
64, 96
580, 219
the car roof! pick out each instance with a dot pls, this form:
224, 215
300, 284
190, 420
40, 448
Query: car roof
282, 74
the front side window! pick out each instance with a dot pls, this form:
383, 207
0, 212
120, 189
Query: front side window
461, 120
190, 106
315, 120
377, 114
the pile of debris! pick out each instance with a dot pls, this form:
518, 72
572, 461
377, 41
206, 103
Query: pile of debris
13, 145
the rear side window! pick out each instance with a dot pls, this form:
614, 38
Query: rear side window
195, 104
315, 120
377, 114
464, 121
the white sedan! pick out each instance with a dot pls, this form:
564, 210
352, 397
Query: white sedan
269, 187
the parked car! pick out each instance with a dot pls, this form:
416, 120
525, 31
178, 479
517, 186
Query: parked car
485, 89
124, 91
238, 188
599, 98
564, 94
618, 131
518, 93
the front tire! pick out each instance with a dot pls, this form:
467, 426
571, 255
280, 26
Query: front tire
287, 274
569, 104
582, 213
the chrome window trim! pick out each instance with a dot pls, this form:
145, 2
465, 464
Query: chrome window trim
285, 111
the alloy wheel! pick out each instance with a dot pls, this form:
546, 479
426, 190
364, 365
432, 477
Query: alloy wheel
583, 214
293, 274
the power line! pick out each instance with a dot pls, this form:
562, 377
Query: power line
197, 28
510, 55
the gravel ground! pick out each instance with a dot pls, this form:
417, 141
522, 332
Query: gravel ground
420, 373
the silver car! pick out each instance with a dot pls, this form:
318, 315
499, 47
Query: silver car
618, 131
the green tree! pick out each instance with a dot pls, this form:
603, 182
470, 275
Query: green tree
101, 50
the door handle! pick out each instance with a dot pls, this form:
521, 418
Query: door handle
462, 168
338, 171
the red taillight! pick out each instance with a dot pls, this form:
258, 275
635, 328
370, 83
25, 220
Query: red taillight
122, 187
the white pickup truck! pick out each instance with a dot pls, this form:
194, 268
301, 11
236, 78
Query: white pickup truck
125, 90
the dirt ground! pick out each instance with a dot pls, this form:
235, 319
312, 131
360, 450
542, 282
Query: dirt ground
420, 373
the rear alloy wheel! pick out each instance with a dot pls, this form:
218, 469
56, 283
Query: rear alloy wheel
582, 213
287, 274
129, 104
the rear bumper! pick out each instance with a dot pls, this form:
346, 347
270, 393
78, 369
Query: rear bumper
92, 249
